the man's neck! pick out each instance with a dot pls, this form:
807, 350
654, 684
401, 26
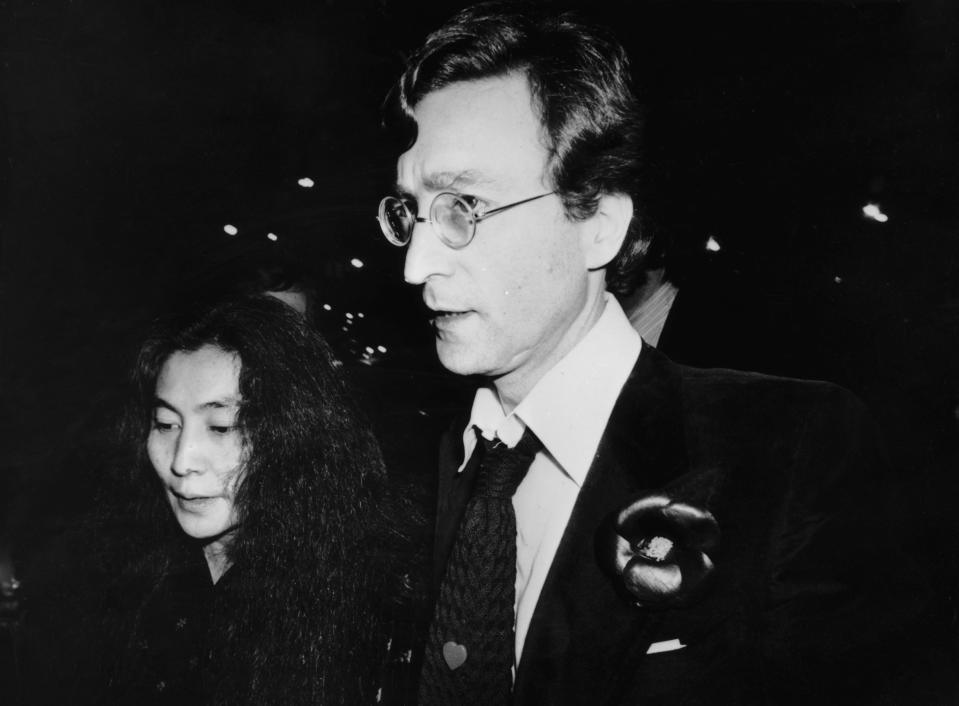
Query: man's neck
513, 387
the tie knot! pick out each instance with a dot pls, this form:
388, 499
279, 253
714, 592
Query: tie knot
502, 468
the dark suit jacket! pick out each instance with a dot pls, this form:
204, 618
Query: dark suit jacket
805, 605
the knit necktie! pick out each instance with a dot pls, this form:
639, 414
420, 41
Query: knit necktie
470, 653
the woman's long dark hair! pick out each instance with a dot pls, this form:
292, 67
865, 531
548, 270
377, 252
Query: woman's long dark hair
309, 546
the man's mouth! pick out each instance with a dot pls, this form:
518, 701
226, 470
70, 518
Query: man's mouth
444, 319
440, 313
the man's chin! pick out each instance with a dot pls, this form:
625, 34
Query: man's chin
459, 358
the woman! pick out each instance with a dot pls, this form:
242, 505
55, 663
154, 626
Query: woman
242, 542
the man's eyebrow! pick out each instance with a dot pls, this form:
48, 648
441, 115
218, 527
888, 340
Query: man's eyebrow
402, 192
449, 181
455, 181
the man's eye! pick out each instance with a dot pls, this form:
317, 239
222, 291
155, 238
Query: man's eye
163, 426
474, 202
221, 429
468, 207
397, 208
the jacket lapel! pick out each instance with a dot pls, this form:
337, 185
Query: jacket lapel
582, 631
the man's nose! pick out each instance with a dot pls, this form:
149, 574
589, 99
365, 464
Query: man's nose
187, 454
426, 255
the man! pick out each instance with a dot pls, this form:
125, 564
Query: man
518, 198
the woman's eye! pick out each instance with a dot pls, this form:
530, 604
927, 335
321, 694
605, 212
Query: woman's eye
220, 429
163, 426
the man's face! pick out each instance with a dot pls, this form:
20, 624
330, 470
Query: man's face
511, 303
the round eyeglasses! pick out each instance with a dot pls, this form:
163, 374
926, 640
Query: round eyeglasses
452, 216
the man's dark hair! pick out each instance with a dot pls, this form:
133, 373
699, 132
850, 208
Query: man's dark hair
578, 75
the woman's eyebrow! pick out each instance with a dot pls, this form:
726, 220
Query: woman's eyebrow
220, 403
160, 402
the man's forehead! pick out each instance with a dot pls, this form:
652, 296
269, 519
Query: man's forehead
472, 134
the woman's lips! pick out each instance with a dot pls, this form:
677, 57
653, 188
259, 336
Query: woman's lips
192, 502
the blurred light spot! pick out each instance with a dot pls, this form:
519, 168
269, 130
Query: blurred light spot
360, 314
369, 350
305, 182
344, 329
356, 262
837, 279
421, 411
230, 230
271, 236
871, 210
327, 307
712, 245
381, 349
349, 315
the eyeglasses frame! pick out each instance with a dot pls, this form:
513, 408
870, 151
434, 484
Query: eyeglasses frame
476, 218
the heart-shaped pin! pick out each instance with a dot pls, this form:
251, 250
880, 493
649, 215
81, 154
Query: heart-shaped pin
454, 654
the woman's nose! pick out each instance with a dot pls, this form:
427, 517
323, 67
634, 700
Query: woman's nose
187, 456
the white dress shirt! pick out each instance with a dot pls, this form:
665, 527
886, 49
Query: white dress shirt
567, 410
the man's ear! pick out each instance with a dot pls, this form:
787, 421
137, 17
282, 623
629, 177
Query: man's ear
607, 229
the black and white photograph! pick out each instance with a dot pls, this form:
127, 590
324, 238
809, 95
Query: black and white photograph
479, 353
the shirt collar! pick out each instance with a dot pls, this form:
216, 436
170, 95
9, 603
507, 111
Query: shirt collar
569, 407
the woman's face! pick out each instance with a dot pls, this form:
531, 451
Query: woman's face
194, 444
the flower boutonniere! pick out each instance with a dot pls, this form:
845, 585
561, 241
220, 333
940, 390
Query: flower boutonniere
658, 550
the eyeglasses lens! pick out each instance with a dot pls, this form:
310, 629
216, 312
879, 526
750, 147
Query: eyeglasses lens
454, 219
396, 220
